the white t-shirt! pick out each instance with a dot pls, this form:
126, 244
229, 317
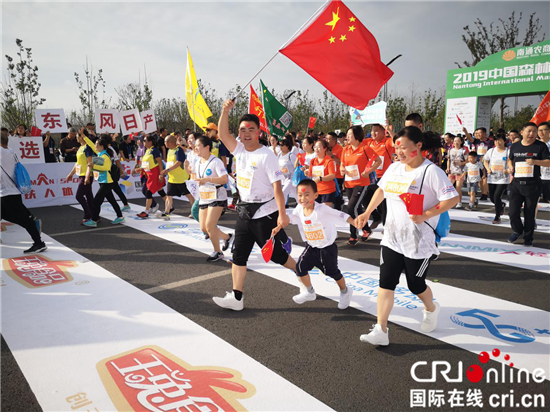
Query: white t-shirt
400, 233
213, 167
545, 171
455, 156
473, 172
498, 162
256, 172
286, 164
309, 158
319, 228
113, 154
191, 157
7, 160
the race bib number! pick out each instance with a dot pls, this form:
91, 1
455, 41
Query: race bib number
315, 234
381, 167
318, 171
207, 192
96, 175
524, 170
497, 167
352, 173
145, 166
396, 186
170, 164
193, 176
473, 173
78, 169
244, 181
481, 150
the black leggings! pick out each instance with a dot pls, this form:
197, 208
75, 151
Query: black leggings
118, 191
149, 194
13, 210
85, 197
144, 189
381, 211
495, 194
105, 191
356, 198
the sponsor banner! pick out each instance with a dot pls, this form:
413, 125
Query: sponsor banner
107, 121
469, 320
28, 149
98, 343
460, 113
52, 120
372, 114
51, 188
543, 226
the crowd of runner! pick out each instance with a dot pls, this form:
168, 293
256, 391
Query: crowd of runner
319, 173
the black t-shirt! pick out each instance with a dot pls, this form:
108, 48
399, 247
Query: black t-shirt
49, 151
519, 153
126, 149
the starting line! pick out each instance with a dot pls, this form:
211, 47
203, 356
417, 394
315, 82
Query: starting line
468, 320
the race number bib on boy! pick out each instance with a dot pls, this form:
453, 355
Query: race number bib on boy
352, 172
315, 234
524, 170
473, 173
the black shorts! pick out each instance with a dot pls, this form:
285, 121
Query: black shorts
248, 232
326, 259
218, 203
392, 264
328, 198
177, 189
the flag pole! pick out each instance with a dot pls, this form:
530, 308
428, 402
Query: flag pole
314, 15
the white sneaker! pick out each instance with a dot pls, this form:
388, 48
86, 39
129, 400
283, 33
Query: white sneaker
158, 213
345, 299
155, 209
429, 323
304, 297
458, 205
229, 302
376, 336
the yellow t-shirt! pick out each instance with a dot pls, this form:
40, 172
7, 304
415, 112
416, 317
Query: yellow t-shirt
178, 175
82, 160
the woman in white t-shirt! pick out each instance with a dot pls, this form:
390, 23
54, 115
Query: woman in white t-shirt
496, 164
310, 154
455, 165
409, 240
286, 165
211, 178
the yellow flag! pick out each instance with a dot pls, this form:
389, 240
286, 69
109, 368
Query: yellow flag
198, 110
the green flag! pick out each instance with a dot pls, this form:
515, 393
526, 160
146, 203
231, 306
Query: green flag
277, 116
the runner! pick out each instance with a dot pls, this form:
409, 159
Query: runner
151, 165
498, 178
409, 240
83, 169
335, 152
307, 144
473, 171
544, 136
524, 161
274, 145
263, 202
177, 175
455, 166
116, 174
355, 158
102, 173
323, 172
211, 176
480, 144
286, 165
140, 152
317, 225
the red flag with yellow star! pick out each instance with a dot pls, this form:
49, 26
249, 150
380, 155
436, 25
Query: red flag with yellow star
255, 107
341, 54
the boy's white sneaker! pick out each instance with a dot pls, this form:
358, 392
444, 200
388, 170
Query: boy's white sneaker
376, 336
229, 302
303, 297
429, 323
345, 299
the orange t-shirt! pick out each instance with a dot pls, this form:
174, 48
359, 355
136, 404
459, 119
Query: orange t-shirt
355, 161
337, 151
321, 169
384, 149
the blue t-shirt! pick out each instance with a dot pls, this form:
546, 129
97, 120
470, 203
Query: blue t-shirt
156, 153
180, 155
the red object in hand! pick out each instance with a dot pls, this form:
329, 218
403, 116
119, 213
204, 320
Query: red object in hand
459, 120
301, 158
35, 131
267, 250
413, 202
312, 121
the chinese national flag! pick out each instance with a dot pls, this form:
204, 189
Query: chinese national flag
341, 54
35, 131
312, 121
267, 250
543, 111
255, 107
301, 158
413, 202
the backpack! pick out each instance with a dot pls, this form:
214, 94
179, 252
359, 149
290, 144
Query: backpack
115, 171
444, 225
22, 178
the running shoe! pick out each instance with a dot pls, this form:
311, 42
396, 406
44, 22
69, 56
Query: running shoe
226, 242
366, 235
231, 207
83, 221
215, 256
345, 299
514, 237
458, 205
528, 243
171, 210
429, 323
143, 215
376, 336
375, 224
206, 236
503, 207
352, 241
165, 216
469, 208
90, 223
155, 208
483, 197
36, 248
476, 203
38, 223
496, 221
125, 209
229, 302
303, 297
287, 246
118, 220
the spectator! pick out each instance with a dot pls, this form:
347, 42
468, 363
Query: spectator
544, 136
49, 147
159, 143
20, 130
91, 132
125, 149
12, 208
69, 146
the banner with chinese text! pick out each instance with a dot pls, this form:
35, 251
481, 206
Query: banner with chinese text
149, 121
52, 120
130, 122
28, 149
107, 121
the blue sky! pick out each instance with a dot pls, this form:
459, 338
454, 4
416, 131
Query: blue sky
229, 42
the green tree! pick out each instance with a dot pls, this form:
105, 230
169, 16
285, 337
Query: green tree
89, 92
135, 96
396, 111
20, 94
432, 108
